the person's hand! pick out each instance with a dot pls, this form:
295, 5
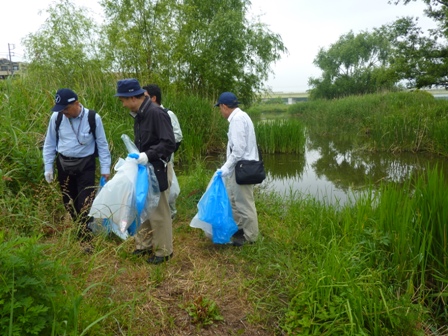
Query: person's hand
49, 176
142, 158
224, 171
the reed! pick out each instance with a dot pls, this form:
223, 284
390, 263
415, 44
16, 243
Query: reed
377, 266
281, 136
399, 121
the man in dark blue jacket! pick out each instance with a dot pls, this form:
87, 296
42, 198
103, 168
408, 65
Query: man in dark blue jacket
154, 137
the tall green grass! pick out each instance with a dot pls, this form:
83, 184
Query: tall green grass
281, 136
376, 267
400, 121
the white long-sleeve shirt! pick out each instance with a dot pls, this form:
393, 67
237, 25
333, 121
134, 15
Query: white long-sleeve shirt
242, 143
176, 129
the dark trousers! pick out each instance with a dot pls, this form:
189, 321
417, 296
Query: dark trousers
78, 192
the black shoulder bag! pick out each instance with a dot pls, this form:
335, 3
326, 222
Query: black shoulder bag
250, 171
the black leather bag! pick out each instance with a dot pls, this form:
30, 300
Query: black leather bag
250, 171
161, 171
73, 166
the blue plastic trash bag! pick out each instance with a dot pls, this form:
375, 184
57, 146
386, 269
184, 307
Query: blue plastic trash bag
141, 192
214, 208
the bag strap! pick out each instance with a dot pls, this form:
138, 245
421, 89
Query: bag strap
260, 158
92, 125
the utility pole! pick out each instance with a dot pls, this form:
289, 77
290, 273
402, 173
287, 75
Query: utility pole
11, 47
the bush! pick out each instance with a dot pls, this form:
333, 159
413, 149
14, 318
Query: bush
32, 292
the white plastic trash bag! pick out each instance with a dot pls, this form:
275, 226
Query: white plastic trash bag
116, 200
103, 226
204, 226
174, 189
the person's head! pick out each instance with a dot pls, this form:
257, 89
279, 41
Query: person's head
66, 101
154, 92
227, 102
130, 93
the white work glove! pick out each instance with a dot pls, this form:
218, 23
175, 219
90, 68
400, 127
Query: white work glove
142, 158
224, 171
49, 176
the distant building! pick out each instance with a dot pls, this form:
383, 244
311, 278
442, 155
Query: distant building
8, 68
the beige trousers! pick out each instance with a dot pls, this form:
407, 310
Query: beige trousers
243, 207
157, 232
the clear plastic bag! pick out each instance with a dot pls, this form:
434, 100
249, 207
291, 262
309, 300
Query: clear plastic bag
153, 197
130, 145
147, 189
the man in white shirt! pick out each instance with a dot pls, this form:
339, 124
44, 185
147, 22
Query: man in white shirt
241, 145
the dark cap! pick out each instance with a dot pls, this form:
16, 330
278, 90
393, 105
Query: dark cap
128, 88
63, 98
227, 98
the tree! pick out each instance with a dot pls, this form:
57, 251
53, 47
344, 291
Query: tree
65, 44
416, 58
422, 58
355, 64
204, 47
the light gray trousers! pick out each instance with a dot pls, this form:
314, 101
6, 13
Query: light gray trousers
243, 207
157, 232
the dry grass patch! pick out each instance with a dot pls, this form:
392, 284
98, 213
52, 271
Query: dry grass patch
160, 299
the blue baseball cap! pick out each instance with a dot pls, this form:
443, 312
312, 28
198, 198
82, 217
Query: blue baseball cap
63, 98
128, 88
227, 98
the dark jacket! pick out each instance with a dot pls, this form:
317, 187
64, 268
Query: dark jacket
153, 132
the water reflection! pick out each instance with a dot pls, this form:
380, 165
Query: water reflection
333, 172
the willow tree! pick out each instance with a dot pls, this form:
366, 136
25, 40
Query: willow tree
200, 46
64, 49
355, 64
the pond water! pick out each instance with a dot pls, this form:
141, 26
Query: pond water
332, 172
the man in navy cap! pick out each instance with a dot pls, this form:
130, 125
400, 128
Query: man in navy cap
76, 136
241, 145
154, 138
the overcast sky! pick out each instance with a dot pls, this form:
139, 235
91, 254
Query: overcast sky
304, 25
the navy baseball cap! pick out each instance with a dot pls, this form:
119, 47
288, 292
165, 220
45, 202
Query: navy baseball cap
129, 88
227, 98
63, 98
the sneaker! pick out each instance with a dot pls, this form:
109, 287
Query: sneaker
240, 241
239, 234
142, 252
155, 260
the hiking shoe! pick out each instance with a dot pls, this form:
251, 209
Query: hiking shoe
142, 252
155, 260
